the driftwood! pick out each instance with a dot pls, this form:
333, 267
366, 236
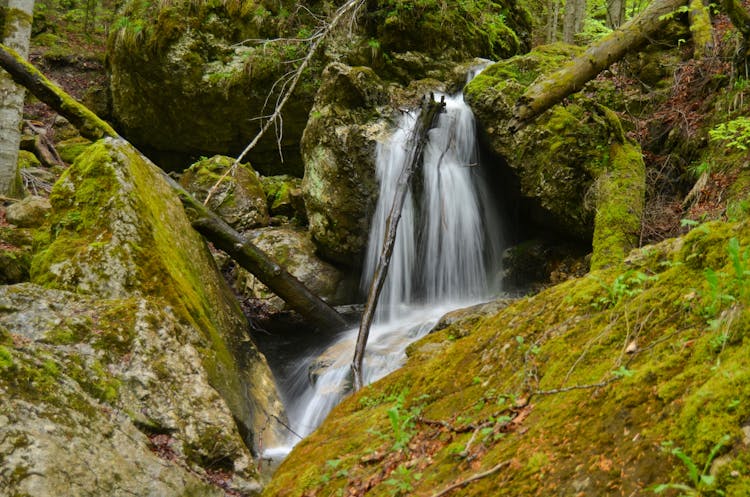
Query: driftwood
428, 115
43, 148
571, 78
213, 228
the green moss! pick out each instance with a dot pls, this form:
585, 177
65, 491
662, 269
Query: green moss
619, 206
6, 358
678, 386
70, 149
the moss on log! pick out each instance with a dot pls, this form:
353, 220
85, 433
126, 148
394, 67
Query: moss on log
574, 75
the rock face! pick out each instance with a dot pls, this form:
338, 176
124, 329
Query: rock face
185, 80
118, 232
557, 157
81, 375
239, 199
189, 78
338, 147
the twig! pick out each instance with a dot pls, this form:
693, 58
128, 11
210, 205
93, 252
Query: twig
350, 6
472, 478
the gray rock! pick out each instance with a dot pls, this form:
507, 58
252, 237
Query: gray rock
294, 250
29, 212
338, 148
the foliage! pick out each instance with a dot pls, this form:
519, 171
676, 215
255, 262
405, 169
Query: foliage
401, 480
624, 285
700, 481
735, 134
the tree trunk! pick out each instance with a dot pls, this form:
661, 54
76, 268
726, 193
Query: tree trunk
426, 121
575, 13
600, 55
620, 198
16, 29
206, 222
553, 19
615, 13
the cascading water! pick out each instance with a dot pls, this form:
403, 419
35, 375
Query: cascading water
446, 246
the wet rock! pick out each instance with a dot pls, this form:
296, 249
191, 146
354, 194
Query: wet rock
239, 198
555, 158
338, 148
29, 212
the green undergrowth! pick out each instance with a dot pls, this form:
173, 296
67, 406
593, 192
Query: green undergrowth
583, 389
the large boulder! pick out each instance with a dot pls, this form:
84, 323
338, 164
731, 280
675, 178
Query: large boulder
557, 157
338, 147
188, 78
118, 232
97, 389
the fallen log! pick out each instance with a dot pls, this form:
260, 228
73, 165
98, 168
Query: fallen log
426, 121
571, 78
211, 226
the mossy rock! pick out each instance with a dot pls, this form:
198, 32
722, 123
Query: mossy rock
54, 420
27, 160
238, 198
185, 80
477, 28
71, 148
118, 231
338, 147
557, 157
585, 389
132, 355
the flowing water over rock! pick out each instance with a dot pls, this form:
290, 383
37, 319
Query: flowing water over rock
444, 257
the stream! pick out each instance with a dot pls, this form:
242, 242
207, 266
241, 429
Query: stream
445, 257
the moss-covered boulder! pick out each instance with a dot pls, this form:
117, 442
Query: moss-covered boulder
405, 29
238, 198
610, 384
97, 390
189, 77
294, 250
71, 148
556, 158
118, 231
338, 147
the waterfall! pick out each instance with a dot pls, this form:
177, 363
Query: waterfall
447, 245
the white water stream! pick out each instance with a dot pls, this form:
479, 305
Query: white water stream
446, 237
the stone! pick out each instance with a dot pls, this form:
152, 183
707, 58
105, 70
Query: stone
118, 231
239, 198
29, 212
131, 362
338, 147
557, 157
294, 250
284, 196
